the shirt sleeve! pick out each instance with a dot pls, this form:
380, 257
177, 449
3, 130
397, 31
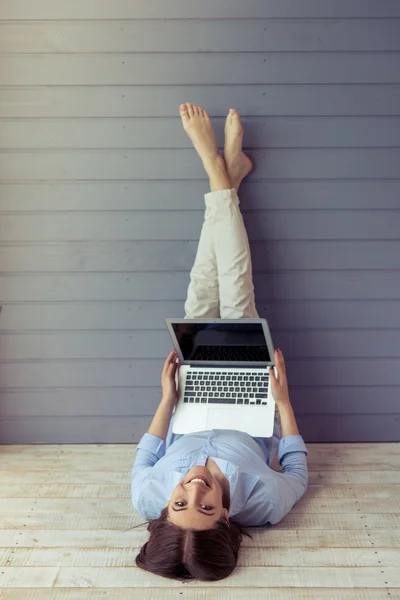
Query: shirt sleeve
292, 482
149, 450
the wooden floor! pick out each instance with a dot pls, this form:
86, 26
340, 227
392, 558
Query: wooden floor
67, 530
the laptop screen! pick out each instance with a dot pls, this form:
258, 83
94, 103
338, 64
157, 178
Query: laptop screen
244, 342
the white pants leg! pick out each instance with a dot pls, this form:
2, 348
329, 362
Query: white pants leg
203, 291
221, 280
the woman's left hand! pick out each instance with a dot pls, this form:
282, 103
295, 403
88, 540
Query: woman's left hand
170, 392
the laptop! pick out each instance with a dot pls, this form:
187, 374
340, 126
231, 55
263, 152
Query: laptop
223, 381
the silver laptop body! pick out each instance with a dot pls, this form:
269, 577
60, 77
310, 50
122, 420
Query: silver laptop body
223, 380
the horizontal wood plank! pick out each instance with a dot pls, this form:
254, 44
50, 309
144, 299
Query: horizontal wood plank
166, 132
180, 164
179, 255
122, 315
253, 557
72, 400
164, 100
141, 344
151, 195
83, 577
202, 593
264, 537
126, 226
199, 35
179, 9
239, 68
125, 372
94, 287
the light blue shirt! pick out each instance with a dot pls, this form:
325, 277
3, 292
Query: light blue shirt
258, 494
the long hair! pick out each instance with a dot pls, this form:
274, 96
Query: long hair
208, 555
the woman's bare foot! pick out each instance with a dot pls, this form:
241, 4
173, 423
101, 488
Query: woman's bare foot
238, 165
198, 126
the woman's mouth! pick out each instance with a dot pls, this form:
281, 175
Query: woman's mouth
199, 479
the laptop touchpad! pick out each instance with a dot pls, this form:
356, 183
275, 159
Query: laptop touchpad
222, 418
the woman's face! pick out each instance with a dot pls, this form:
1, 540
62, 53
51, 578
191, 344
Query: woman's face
196, 505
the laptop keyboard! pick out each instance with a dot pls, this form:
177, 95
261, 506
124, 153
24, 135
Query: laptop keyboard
249, 353
223, 387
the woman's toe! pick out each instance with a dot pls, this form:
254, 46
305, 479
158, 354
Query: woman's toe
184, 114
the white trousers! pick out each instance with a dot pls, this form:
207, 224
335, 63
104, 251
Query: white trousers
221, 280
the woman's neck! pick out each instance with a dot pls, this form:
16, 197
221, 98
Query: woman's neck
222, 480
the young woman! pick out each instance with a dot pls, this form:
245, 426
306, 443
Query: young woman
198, 490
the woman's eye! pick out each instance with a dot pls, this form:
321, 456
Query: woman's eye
203, 506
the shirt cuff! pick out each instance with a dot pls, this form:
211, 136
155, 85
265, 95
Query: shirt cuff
152, 443
291, 443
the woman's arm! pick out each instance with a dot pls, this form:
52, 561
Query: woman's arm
288, 420
160, 423
161, 420
150, 449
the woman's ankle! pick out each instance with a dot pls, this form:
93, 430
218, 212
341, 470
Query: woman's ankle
218, 175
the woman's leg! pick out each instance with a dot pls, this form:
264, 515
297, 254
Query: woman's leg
203, 291
236, 289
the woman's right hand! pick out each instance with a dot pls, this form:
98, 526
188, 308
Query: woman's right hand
279, 386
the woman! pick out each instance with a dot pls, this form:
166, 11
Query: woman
198, 490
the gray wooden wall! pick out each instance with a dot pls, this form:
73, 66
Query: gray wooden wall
102, 201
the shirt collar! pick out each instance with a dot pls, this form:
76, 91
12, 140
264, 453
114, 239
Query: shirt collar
241, 484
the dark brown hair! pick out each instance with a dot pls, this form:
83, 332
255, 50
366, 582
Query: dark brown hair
208, 555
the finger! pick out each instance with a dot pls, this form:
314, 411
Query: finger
168, 361
280, 359
174, 359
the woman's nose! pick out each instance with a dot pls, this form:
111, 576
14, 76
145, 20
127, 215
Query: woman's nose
196, 489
